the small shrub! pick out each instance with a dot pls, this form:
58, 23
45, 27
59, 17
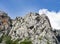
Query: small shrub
8, 40
1, 39
16, 41
48, 42
26, 41
40, 38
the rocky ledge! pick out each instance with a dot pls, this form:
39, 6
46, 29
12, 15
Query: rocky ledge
30, 29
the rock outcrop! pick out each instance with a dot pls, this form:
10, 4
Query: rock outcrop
35, 27
57, 34
5, 23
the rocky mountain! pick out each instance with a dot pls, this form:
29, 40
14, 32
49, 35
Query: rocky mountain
5, 23
33, 27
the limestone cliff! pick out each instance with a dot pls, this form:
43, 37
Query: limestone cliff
33, 27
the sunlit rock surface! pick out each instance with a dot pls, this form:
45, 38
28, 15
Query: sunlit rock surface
35, 27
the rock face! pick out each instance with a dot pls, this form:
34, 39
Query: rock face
35, 27
57, 34
5, 23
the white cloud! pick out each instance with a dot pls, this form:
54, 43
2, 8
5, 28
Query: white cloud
53, 16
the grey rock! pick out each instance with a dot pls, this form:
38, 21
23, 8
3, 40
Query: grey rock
35, 27
5, 23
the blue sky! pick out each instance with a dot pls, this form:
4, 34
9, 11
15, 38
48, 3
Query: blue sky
21, 7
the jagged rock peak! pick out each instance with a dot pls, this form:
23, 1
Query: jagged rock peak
35, 27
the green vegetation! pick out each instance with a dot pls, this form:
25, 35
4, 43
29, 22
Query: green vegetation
26, 41
40, 38
7, 40
1, 39
48, 42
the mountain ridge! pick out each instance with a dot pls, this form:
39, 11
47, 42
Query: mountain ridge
33, 26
